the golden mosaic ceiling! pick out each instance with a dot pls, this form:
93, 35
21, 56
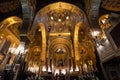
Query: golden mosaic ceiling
67, 38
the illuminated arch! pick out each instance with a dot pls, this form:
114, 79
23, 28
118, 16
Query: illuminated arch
76, 43
58, 6
43, 31
10, 21
86, 46
61, 42
42, 49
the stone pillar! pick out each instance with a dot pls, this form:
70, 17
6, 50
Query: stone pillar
3, 64
103, 70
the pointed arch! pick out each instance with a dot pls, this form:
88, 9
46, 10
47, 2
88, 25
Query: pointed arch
10, 21
78, 26
43, 31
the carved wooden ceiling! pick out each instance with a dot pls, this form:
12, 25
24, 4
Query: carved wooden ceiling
112, 5
9, 6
